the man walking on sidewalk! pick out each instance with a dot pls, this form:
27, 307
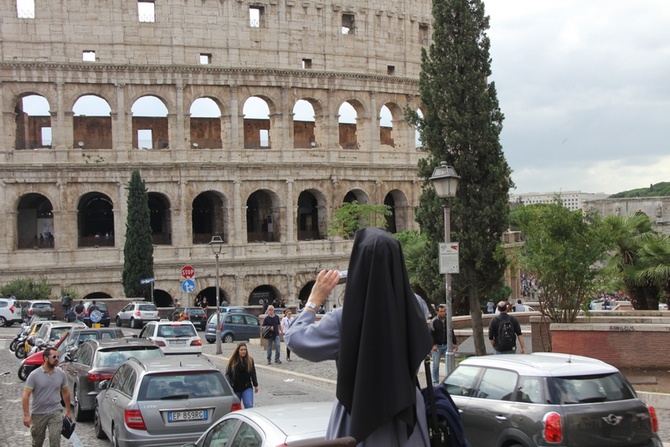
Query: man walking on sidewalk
438, 330
504, 329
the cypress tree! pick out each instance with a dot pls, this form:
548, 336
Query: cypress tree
138, 253
461, 125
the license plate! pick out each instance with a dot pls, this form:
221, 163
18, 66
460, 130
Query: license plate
193, 415
177, 342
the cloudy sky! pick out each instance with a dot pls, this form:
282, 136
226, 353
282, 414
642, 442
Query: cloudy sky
585, 89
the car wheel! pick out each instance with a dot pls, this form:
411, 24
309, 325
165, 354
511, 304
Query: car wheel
210, 341
24, 372
97, 425
3, 322
134, 324
228, 338
118, 322
79, 414
20, 352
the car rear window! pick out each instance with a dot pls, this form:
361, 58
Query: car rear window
176, 385
114, 357
42, 306
148, 307
101, 307
176, 330
589, 389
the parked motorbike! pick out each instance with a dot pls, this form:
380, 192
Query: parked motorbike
20, 337
35, 360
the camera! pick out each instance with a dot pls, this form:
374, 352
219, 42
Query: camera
343, 276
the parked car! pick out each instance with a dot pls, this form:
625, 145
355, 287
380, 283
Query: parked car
269, 426
10, 312
236, 326
195, 315
104, 317
549, 399
35, 360
227, 309
52, 331
173, 337
80, 335
97, 360
43, 309
169, 401
136, 314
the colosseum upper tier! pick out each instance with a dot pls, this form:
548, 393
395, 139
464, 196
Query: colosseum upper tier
248, 120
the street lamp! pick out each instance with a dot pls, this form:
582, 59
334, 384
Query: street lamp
445, 180
217, 245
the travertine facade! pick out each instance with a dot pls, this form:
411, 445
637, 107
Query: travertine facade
267, 185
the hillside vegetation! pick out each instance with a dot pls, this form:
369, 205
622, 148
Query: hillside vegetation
657, 190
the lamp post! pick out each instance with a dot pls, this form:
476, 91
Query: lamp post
445, 180
217, 244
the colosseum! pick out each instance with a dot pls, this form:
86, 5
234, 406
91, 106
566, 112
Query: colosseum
250, 120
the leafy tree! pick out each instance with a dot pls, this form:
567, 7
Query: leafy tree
138, 251
352, 215
562, 249
654, 258
28, 289
461, 125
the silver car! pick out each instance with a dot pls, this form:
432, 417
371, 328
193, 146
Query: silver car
548, 399
269, 426
163, 402
137, 314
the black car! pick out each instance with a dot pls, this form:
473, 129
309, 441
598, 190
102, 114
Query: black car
195, 315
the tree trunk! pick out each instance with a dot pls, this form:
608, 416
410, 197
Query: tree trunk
476, 316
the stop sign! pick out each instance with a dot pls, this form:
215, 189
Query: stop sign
187, 272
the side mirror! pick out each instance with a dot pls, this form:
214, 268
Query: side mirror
69, 356
103, 385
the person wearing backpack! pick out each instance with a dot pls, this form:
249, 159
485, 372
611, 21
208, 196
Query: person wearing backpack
504, 330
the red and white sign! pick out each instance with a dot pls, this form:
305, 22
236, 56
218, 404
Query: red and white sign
187, 272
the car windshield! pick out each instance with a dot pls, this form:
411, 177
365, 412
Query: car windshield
147, 307
58, 332
176, 385
110, 358
589, 389
179, 330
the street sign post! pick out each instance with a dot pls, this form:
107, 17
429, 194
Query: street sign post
188, 272
188, 286
149, 281
448, 257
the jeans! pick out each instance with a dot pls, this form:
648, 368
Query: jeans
247, 397
437, 355
276, 342
54, 421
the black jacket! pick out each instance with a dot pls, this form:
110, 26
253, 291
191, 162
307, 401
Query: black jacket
241, 379
438, 331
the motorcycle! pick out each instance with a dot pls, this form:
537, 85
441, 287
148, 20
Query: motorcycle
20, 337
35, 360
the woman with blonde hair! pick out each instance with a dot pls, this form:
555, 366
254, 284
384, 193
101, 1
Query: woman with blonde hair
241, 374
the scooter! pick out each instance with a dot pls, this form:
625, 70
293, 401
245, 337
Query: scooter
20, 337
34, 360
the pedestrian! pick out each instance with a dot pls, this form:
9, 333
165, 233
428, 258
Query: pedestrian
519, 307
241, 374
438, 330
273, 320
490, 307
79, 311
504, 330
379, 339
47, 385
66, 302
92, 307
286, 323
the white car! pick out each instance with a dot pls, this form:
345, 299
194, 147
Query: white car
10, 312
173, 337
136, 314
270, 426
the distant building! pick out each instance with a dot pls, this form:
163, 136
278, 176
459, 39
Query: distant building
572, 200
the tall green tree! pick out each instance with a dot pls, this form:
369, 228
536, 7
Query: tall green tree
138, 253
461, 125
562, 249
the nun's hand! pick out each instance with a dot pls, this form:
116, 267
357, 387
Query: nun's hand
326, 281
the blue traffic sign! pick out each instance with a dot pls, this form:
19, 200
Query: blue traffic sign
147, 281
188, 285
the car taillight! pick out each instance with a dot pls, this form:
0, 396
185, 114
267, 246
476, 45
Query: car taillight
133, 419
654, 419
12, 309
30, 312
159, 343
235, 407
98, 376
553, 428
138, 313
196, 342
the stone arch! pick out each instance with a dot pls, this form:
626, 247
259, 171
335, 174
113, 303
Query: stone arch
350, 115
263, 216
264, 295
33, 122
305, 291
258, 122
209, 293
205, 123
98, 295
95, 220
398, 221
312, 215
150, 127
160, 218
390, 114
35, 222
162, 298
209, 216
304, 115
358, 195
92, 123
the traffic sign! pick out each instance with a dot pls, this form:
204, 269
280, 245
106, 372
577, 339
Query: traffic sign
448, 257
187, 272
188, 285
147, 280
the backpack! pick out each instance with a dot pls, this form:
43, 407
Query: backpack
506, 339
